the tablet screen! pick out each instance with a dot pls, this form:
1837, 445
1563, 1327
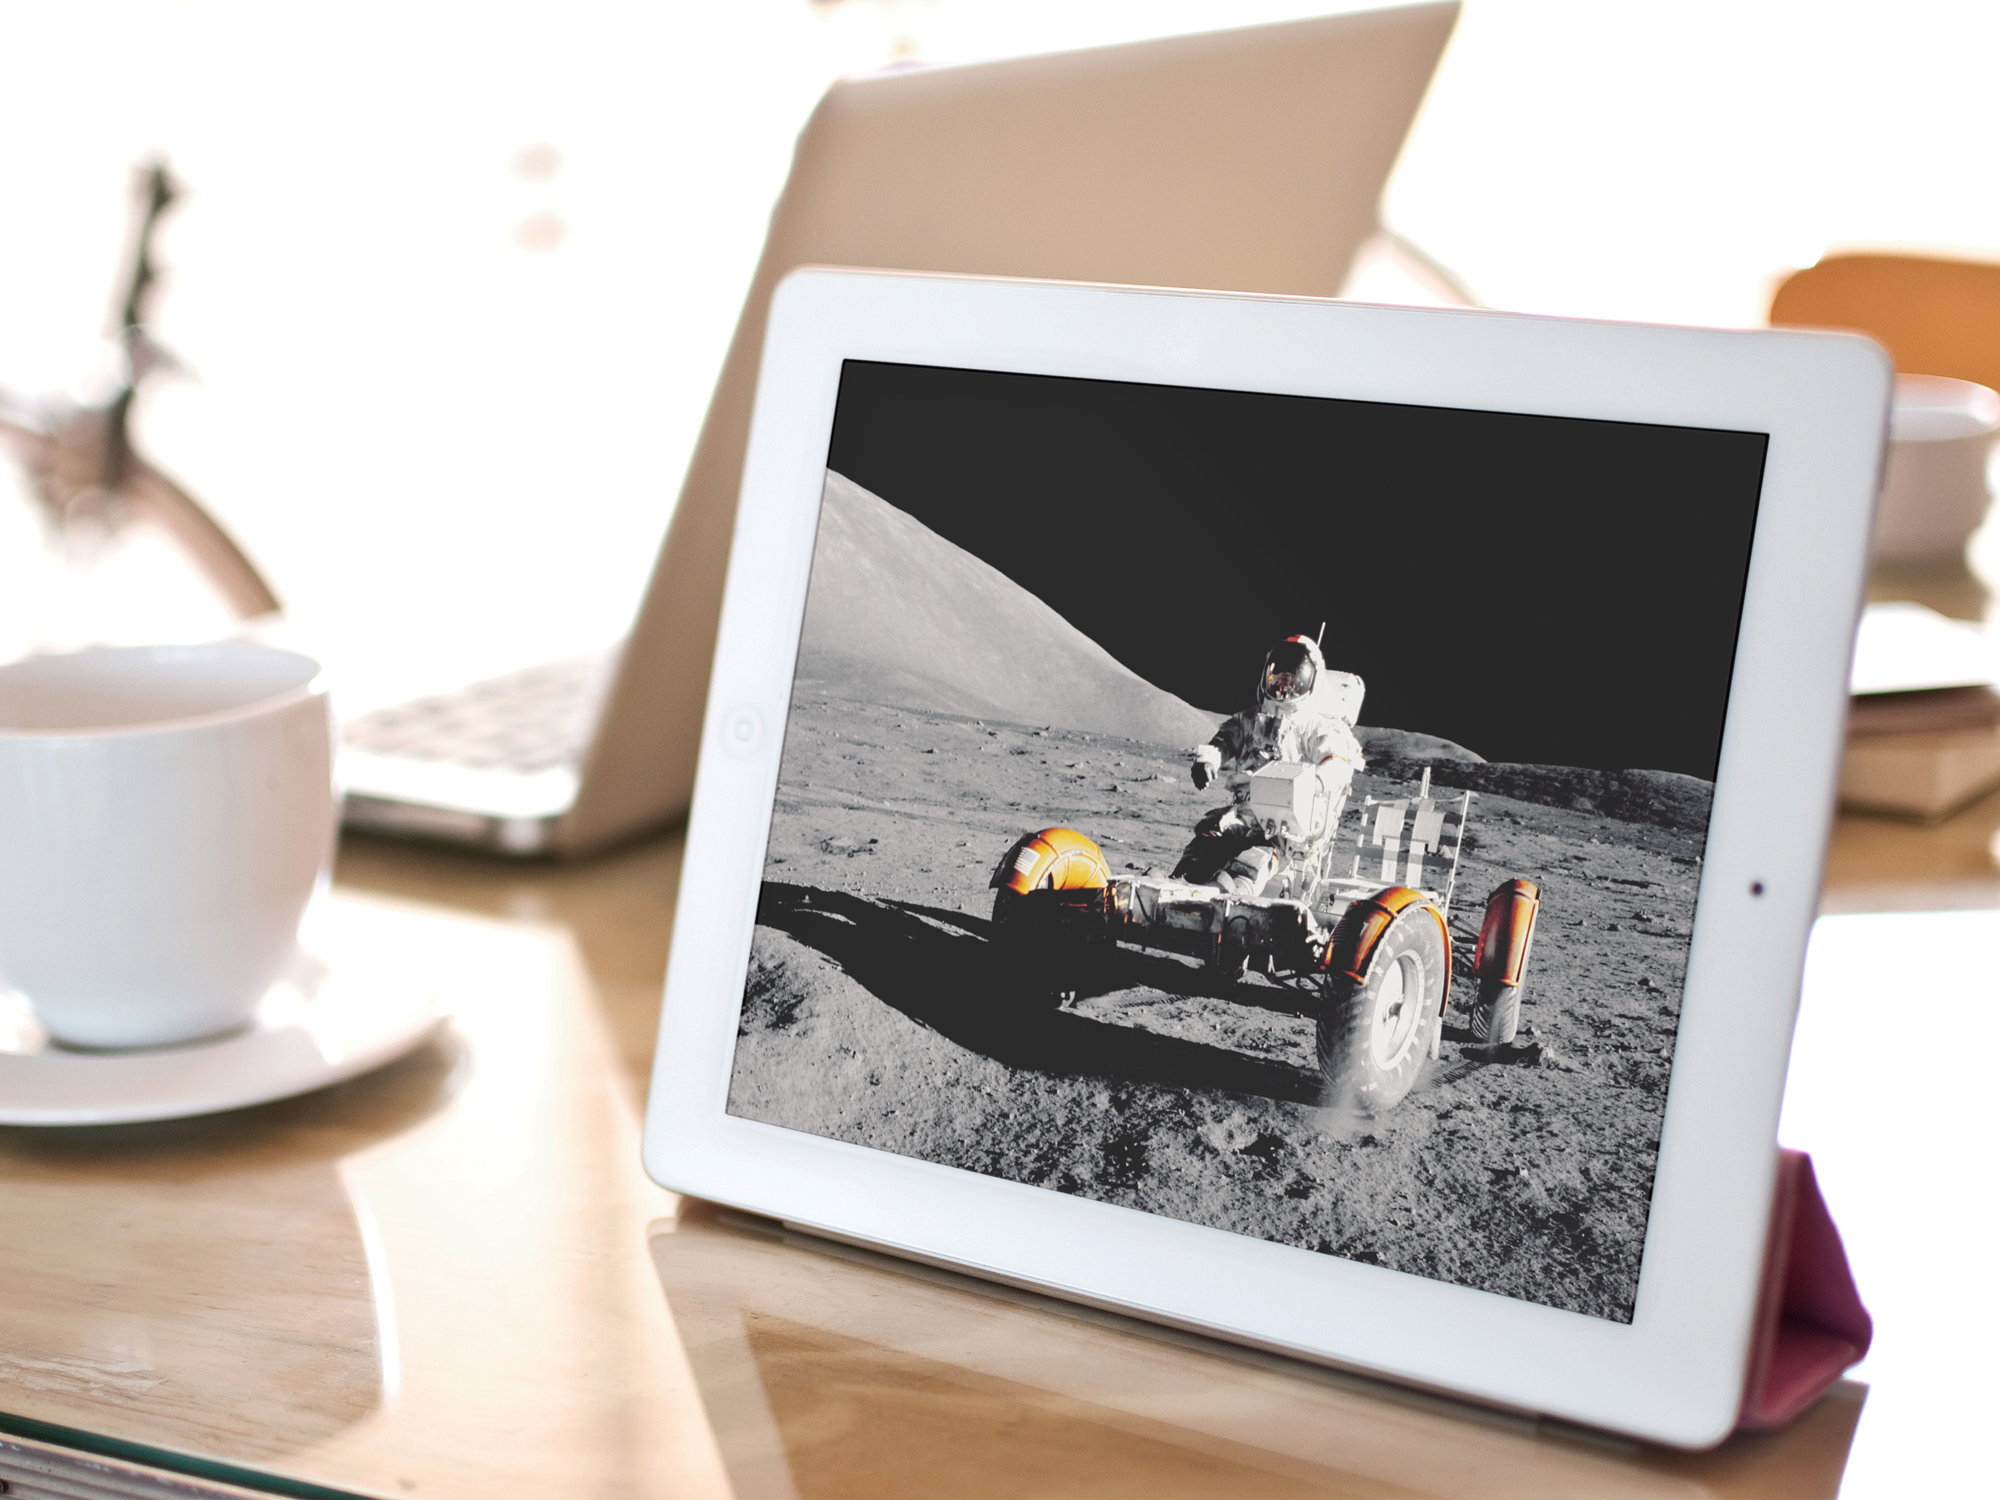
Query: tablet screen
1277, 813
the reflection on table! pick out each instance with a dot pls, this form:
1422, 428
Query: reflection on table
828, 1371
429, 1280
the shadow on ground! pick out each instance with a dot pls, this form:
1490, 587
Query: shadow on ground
939, 968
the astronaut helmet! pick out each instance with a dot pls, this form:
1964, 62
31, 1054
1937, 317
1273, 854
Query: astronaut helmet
1291, 672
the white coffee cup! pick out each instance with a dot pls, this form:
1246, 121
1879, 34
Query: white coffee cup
166, 814
1934, 490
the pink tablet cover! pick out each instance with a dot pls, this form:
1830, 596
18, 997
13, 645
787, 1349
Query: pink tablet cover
1811, 1325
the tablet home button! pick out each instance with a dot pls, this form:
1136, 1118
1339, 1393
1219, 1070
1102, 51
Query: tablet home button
743, 731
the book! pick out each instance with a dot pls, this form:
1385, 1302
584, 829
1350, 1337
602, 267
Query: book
1921, 754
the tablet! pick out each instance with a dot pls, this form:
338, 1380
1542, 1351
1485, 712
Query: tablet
1287, 818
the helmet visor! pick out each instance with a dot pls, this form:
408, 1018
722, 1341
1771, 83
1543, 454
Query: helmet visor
1288, 674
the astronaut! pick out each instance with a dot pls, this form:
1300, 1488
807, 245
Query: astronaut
1304, 714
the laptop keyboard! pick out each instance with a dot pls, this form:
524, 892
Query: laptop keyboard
526, 721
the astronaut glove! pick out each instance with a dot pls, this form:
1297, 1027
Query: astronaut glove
1207, 761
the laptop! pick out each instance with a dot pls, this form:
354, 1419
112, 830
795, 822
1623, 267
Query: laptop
1247, 160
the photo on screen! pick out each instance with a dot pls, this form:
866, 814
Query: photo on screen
1277, 813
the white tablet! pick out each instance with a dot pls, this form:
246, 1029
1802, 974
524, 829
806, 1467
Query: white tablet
1289, 818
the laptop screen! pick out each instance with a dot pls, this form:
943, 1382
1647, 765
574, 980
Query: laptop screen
1278, 813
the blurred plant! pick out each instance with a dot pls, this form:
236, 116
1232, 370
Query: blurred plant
82, 467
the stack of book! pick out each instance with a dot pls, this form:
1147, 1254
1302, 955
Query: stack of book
1923, 725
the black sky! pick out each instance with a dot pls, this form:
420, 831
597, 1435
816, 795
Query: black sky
1540, 589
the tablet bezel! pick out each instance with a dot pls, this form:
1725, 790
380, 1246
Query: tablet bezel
1674, 1373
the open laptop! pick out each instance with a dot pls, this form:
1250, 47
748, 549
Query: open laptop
1247, 160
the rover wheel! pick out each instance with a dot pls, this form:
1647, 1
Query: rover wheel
1051, 943
1496, 1014
1506, 941
1375, 1034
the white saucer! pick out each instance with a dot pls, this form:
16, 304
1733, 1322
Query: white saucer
350, 1002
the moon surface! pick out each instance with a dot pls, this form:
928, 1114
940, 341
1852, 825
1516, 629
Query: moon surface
940, 711
873, 1013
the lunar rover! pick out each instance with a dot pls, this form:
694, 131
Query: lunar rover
1373, 940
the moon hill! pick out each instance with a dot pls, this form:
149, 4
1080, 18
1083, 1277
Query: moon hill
898, 615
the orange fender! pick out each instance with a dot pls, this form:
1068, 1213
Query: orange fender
1366, 922
1507, 932
1066, 859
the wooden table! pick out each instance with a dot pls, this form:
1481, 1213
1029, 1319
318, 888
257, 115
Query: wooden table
452, 1278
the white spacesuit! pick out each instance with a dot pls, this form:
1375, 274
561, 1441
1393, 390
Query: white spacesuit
1304, 715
